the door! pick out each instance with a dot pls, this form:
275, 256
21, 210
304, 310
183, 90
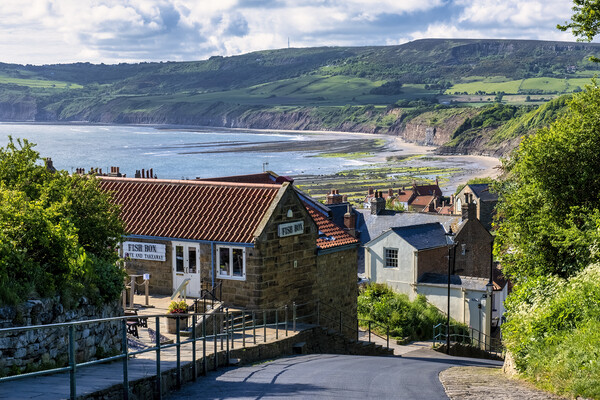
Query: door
186, 264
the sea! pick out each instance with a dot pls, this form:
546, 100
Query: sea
174, 152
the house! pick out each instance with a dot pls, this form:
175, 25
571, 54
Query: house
264, 242
417, 198
484, 200
416, 259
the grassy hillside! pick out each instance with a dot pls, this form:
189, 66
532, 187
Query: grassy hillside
372, 89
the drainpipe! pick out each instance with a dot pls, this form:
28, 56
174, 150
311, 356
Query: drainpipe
212, 263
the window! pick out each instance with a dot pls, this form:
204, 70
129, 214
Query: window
232, 262
391, 258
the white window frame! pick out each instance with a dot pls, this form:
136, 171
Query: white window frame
230, 275
385, 257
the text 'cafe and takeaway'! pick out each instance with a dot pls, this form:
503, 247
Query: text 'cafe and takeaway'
264, 241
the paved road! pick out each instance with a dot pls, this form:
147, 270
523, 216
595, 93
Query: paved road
328, 376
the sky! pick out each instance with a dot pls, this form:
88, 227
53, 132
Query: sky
115, 31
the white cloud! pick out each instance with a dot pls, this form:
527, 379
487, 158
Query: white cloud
50, 31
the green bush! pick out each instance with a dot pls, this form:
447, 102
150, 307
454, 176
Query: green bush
553, 332
415, 320
58, 233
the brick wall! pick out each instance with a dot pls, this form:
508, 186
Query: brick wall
337, 290
432, 260
478, 250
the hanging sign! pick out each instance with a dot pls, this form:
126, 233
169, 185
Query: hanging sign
144, 251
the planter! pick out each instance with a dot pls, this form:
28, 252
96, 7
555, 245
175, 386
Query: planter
172, 322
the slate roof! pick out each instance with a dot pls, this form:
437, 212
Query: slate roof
191, 209
423, 236
482, 190
371, 226
467, 282
330, 235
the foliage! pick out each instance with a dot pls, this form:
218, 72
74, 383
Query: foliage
390, 204
585, 20
58, 233
388, 88
177, 307
489, 117
415, 319
553, 332
548, 204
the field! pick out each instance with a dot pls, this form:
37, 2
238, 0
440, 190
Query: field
38, 83
545, 85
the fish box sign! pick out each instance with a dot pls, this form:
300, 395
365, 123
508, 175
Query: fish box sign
144, 251
291, 228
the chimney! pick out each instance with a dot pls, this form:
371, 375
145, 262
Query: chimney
350, 221
49, 165
345, 198
377, 204
137, 174
469, 211
390, 192
370, 192
151, 174
143, 173
334, 197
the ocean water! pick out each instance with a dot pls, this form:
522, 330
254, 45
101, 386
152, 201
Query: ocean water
175, 153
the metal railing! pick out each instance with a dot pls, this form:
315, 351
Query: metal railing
468, 337
211, 295
238, 328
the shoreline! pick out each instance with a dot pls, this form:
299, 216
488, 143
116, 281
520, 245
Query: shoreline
471, 166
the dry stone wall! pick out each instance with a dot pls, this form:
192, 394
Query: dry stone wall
44, 348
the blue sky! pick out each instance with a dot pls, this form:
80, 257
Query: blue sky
113, 31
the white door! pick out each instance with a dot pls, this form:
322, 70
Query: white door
186, 264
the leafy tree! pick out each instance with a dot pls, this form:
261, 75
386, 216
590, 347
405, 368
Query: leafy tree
549, 203
58, 233
585, 21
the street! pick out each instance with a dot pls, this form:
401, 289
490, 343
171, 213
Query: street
332, 376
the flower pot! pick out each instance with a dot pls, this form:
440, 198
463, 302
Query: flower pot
172, 322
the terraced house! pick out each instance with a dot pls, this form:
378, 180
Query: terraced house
266, 243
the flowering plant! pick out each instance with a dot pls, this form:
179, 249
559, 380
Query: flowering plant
178, 307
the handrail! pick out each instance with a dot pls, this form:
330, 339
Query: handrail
181, 287
474, 338
253, 321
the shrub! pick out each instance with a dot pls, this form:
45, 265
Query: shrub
414, 320
553, 332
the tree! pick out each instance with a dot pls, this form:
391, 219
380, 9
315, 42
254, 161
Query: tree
585, 21
58, 233
549, 203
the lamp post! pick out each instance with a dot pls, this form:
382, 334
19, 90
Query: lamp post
489, 289
451, 249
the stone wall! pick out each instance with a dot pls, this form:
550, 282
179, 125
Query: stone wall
432, 260
477, 258
48, 347
337, 290
161, 272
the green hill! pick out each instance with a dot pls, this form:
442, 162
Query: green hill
371, 89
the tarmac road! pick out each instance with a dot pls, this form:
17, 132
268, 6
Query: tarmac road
331, 376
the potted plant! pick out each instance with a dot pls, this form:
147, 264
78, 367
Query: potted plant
177, 309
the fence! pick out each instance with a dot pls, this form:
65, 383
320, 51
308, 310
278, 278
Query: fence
467, 336
236, 329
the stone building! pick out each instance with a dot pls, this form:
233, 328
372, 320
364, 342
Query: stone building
485, 202
266, 243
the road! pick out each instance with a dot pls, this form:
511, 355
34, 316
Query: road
329, 376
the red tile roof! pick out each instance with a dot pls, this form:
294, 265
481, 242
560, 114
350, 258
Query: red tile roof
331, 235
197, 210
422, 201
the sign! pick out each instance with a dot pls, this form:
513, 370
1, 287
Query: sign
290, 228
144, 251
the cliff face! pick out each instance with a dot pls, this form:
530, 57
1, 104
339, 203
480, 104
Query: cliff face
432, 128
18, 111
